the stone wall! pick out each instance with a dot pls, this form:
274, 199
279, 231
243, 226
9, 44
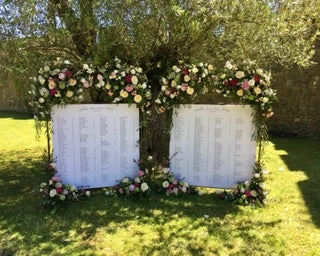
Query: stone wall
13, 98
298, 109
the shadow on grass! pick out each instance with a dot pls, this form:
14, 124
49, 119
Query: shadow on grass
26, 227
304, 155
15, 115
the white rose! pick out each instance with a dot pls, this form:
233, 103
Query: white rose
52, 192
125, 180
69, 94
190, 90
165, 184
173, 83
259, 71
134, 80
133, 71
228, 65
165, 170
144, 187
137, 180
257, 90
144, 86
41, 80
239, 74
41, 100
195, 70
187, 78
254, 193
251, 82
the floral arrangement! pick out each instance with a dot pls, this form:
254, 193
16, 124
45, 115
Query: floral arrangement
183, 84
55, 191
152, 179
172, 185
128, 186
249, 192
60, 83
249, 83
122, 83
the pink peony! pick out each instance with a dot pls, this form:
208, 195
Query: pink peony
140, 173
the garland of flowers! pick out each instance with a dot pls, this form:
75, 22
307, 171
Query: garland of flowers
57, 83
63, 83
120, 83
249, 83
184, 83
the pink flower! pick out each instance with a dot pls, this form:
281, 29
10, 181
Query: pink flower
140, 173
183, 87
61, 76
99, 77
55, 178
129, 88
245, 85
86, 84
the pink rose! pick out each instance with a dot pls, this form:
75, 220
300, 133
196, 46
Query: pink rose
183, 87
140, 173
129, 88
99, 77
55, 178
245, 85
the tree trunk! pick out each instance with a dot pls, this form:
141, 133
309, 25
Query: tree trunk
155, 135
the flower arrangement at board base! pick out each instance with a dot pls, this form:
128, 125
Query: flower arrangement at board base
152, 178
250, 192
55, 192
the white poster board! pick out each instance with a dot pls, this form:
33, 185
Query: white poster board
94, 145
212, 145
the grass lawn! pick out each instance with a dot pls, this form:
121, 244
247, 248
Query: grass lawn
190, 225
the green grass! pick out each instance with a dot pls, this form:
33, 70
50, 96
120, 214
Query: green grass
288, 225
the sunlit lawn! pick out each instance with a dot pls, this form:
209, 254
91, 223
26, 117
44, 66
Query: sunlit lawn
190, 225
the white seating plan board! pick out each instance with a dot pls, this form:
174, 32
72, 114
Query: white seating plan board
212, 145
94, 145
